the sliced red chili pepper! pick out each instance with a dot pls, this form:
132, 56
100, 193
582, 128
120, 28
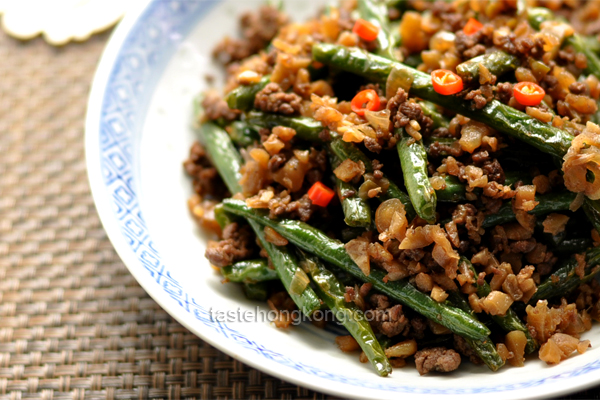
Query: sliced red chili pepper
365, 100
528, 93
365, 29
446, 82
472, 26
320, 194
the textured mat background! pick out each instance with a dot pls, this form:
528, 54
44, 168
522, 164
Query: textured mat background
74, 324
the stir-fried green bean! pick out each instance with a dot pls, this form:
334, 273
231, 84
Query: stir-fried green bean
228, 163
429, 109
496, 63
249, 271
548, 203
377, 13
565, 279
242, 97
344, 150
255, 291
499, 116
357, 212
485, 349
243, 134
331, 250
332, 292
413, 159
306, 128
508, 322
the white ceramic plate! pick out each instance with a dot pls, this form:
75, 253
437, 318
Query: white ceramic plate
137, 136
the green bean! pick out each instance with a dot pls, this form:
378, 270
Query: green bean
332, 292
454, 191
243, 134
344, 150
222, 217
242, 97
357, 212
499, 116
332, 251
508, 322
255, 291
377, 13
249, 271
572, 246
564, 280
485, 349
306, 128
429, 109
228, 162
548, 203
497, 63
592, 211
581, 44
413, 159
537, 15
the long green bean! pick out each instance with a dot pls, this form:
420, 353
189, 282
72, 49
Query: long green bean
565, 279
508, 322
331, 250
242, 97
548, 203
413, 159
250, 271
331, 291
344, 150
485, 349
357, 212
228, 162
377, 13
306, 128
496, 63
499, 116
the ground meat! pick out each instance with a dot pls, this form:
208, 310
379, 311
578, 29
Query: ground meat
463, 348
480, 96
282, 205
390, 321
494, 171
237, 244
402, 111
524, 44
206, 180
372, 144
577, 88
461, 214
480, 157
277, 161
437, 359
523, 246
437, 149
258, 29
215, 107
418, 326
273, 99
504, 92
474, 51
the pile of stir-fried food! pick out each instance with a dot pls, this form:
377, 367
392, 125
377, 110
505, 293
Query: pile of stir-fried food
430, 170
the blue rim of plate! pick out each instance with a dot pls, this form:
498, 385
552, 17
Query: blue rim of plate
129, 70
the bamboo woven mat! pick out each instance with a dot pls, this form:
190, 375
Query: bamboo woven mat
74, 324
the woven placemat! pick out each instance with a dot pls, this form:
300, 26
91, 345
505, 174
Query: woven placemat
74, 324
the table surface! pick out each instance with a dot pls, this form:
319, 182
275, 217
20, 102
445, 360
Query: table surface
74, 323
